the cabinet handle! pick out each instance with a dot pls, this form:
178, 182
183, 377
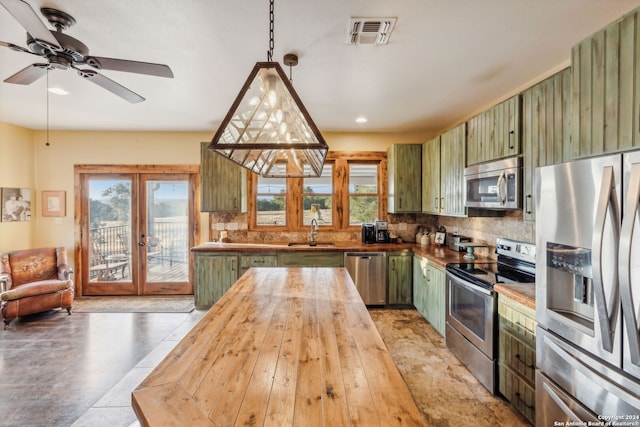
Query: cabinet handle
258, 261
523, 402
233, 265
393, 265
235, 203
511, 133
435, 199
521, 360
441, 203
528, 203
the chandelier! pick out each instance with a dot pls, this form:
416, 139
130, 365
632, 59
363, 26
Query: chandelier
268, 125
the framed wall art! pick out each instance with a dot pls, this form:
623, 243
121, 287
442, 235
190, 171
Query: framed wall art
54, 203
16, 204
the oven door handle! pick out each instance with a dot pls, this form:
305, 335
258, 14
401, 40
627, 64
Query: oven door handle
470, 286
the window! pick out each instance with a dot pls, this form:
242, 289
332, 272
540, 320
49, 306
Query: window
317, 197
271, 201
363, 193
349, 192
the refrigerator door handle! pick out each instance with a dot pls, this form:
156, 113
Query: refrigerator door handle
624, 264
607, 199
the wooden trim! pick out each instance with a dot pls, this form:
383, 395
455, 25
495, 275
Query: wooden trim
341, 160
81, 223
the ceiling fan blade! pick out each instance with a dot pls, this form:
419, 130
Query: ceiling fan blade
28, 74
111, 86
100, 63
27, 17
17, 48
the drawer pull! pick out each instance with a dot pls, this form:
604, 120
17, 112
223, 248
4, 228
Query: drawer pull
521, 360
523, 402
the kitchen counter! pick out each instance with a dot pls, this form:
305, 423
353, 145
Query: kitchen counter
284, 346
524, 293
440, 255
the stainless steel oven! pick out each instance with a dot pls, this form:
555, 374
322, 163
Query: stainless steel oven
470, 328
472, 306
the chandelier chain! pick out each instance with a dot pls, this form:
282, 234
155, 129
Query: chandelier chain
271, 42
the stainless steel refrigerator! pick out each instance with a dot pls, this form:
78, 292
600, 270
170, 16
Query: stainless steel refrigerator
588, 290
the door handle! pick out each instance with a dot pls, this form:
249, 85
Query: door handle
141, 243
502, 195
624, 263
607, 198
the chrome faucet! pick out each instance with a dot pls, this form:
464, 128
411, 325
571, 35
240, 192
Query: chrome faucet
313, 232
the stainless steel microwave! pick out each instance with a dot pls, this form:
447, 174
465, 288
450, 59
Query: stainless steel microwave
494, 185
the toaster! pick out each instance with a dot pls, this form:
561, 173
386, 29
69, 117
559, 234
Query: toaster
452, 239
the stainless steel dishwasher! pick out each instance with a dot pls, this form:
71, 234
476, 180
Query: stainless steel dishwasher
369, 272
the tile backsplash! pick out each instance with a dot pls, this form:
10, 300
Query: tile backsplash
479, 229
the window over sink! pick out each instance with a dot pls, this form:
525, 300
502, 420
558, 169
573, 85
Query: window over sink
348, 192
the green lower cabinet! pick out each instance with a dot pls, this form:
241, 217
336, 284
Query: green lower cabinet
257, 260
214, 275
311, 259
399, 279
420, 284
517, 355
429, 288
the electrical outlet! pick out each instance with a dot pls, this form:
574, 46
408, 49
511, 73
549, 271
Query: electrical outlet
219, 226
232, 226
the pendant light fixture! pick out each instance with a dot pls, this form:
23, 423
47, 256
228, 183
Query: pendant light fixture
267, 129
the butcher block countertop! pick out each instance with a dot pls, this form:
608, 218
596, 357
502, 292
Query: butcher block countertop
524, 293
283, 347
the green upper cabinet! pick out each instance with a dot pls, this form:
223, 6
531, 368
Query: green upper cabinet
546, 110
495, 133
431, 176
452, 163
404, 166
223, 183
443, 162
400, 279
606, 90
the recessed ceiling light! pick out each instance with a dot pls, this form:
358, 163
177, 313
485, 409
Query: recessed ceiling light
58, 91
361, 119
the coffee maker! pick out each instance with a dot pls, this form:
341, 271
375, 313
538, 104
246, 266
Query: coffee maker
368, 233
382, 231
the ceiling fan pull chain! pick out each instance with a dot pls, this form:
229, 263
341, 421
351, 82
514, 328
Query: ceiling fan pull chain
271, 42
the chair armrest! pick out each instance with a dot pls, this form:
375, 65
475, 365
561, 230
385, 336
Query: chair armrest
4, 281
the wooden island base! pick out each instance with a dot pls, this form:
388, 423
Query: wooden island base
283, 347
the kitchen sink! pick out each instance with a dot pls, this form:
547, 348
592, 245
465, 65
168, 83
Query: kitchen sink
307, 245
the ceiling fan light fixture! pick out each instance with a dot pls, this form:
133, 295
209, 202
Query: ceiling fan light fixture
259, 135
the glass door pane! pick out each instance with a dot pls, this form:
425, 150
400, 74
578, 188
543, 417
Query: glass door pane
109, 256
165, 234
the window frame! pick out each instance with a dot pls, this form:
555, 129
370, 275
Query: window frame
340, 200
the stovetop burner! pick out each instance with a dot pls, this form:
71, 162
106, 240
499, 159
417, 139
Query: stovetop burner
516, 264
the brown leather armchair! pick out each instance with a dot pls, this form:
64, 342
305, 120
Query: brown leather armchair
34, 280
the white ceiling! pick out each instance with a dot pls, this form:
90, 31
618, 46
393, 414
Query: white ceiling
445, 59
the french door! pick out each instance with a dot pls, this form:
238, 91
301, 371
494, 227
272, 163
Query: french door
136, 233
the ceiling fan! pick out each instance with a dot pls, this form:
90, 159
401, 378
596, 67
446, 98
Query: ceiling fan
63, 52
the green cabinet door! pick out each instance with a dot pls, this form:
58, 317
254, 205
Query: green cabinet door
420, 266
399, 279
431, 176
606, 90
546, 110
452, 164
311, 259
404, 169
222, 183
495, 133
436, 301
214, 275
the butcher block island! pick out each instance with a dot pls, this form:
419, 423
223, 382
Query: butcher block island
283, 347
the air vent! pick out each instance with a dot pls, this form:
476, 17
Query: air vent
370, 30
